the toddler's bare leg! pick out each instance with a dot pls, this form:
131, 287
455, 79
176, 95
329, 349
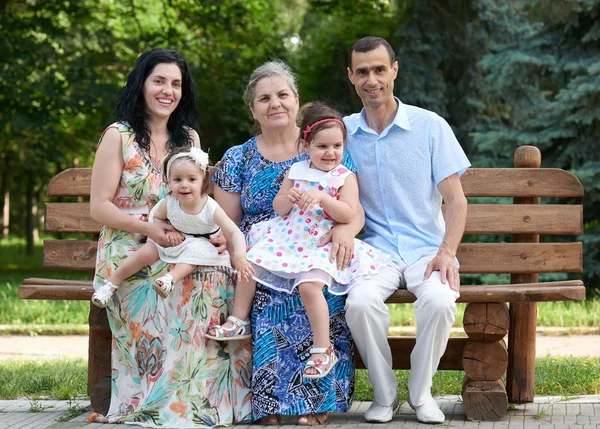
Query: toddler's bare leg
181, 271
244, 295
318, 315
144, 256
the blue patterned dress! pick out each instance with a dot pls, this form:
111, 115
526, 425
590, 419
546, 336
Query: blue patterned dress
282, 337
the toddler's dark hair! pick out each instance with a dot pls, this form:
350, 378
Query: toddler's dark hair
311, 113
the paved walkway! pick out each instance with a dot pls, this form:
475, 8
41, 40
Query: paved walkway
76, 346
545, 413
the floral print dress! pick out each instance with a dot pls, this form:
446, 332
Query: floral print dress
165, 373
281, 332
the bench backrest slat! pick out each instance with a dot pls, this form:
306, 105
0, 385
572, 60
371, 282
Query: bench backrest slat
475, 258
557, 219
76, 182
520, 182
476, 182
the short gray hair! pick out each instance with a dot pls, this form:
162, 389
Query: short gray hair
270, 69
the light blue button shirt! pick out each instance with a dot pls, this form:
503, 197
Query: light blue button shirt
398, 172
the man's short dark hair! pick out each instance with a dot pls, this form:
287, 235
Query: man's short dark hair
370, 43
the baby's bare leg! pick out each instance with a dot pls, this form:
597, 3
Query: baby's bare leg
144, 256
244, 295
181, 271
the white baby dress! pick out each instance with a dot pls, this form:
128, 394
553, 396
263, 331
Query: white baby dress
193, 250
284, 249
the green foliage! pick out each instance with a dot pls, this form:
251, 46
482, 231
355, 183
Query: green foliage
504, 73
541, 75
329, 28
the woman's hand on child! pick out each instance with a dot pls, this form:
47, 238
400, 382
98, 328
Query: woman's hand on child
220, 243
175, 238
310, 198
244, 269
158, 233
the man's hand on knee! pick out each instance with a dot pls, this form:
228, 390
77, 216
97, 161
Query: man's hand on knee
444, 263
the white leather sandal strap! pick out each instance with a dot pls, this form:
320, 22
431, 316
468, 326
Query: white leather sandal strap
238, 322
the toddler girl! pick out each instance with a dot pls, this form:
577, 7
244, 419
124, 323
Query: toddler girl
196, 216
315, 195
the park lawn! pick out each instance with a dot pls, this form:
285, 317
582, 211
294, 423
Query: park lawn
67, 379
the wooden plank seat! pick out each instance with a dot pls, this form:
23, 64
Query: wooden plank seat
512, 246
569, 290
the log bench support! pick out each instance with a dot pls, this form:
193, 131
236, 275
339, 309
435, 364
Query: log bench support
483, 354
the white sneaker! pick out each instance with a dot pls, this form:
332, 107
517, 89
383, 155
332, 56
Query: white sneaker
381, 414
429, 412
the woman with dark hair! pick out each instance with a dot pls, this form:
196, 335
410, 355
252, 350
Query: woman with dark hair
247, 180
164, 372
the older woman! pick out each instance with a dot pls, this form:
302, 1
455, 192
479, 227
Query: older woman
247, 180
164, 372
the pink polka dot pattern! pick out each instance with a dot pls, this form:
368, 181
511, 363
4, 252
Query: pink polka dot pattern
281, 254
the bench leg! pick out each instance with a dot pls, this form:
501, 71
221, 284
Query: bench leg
99, 366
521, 353
484, 360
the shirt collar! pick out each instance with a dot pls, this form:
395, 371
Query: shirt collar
400, 120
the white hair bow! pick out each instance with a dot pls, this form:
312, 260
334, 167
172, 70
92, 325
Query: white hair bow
198, 155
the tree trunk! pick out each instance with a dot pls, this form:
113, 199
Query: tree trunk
5, 196
36, 215
6, 214
29, 203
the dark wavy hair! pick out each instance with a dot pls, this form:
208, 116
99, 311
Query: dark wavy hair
131, 108
314, 112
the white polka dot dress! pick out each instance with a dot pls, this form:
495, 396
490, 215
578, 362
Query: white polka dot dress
284, 249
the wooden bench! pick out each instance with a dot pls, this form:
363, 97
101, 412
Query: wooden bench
483, 354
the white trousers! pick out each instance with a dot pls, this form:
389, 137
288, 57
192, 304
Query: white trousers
369, 321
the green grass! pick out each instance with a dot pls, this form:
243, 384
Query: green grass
55, 379
16, 265
570, 314
42, 312
570, 376
67, 379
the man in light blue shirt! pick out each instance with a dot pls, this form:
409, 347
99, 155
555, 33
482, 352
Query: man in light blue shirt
407, 160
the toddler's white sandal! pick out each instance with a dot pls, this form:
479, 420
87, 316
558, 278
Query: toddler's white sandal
163, 285
240, 330
323, 367
104, 294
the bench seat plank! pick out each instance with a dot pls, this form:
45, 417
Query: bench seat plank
571, 290
475, 258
